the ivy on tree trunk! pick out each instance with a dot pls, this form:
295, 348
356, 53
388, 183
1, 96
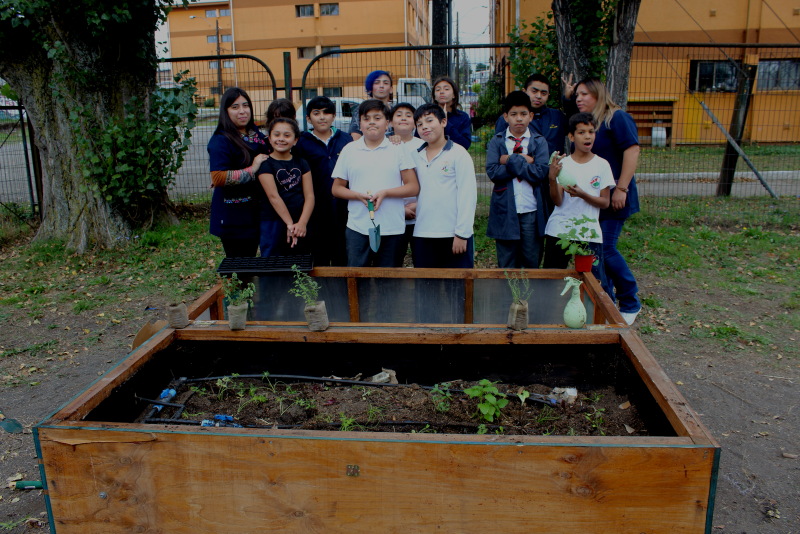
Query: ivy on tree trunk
85, 71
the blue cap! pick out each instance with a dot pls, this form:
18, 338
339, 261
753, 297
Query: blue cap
371, 77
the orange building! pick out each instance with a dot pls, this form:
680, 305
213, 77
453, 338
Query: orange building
668, 82
268, 28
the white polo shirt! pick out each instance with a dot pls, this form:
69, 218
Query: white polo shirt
372, 170
523, 190
448, 192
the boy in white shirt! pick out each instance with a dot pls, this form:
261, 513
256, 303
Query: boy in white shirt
443, 233
583, 200
373, 168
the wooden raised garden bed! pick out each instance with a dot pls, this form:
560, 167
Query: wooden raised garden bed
108, 470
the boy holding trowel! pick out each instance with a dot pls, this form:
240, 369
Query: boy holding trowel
374, 176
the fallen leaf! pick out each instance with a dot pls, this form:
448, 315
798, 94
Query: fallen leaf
789, 455
625, 405
629, 429
14, 478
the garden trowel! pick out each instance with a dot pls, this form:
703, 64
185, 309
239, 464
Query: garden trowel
375, 231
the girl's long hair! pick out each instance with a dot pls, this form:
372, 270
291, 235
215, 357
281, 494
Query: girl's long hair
605, 107
454, 85
226, 127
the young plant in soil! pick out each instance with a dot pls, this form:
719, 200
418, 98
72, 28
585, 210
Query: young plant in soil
441, 396
520, 292
490, 401
307, 289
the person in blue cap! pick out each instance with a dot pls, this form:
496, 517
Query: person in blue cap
378, 85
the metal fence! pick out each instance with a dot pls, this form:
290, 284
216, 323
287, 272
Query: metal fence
237, 70
688, 102
18, 194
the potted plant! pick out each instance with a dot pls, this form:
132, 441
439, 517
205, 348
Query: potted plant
575, 242
520, 292
239, 297
307, 289
178, 315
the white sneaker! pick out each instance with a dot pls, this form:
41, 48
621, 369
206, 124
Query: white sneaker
630, 317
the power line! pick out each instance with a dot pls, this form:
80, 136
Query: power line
780, 19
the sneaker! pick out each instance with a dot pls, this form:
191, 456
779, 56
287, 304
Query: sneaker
630, 317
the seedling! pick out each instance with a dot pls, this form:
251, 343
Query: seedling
304, 287
306, 404
427, 429
519, 285
348, 423
575, 241
523, 395
374, 413
236, 291
482, 429
596, 419
440, 395
490, 401
546, 414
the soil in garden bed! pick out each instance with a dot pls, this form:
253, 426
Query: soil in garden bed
444, 408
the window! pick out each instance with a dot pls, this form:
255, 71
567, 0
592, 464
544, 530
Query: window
211, 38
227, 38
227, 64
331, 92
328, 9
213, 65
330, 48
306, 52
718, 76
224, 12
349, 108
778, 74
310, 93
215, 90
304, 10
211, 13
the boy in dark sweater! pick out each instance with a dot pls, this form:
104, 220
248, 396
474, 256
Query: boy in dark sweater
321, 147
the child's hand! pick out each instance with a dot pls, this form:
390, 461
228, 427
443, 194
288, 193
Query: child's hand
299, 229
459, 245
503, 159
575, 191
618, 198
395, 139
555, 166
257, 161
411, 211
290, 238
363, 197
569, 86
377, 198
528, 159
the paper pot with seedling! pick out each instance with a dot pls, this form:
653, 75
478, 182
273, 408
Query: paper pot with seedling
307, 289
239, 296
575, 242
520, 292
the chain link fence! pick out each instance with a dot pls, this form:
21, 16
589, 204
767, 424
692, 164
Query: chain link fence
689, 102
213, 75
18, 194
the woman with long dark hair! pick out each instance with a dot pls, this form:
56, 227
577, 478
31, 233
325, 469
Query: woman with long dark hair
236, 151
617, 141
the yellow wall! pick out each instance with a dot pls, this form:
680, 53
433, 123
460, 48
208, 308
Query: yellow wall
268, 28
661, 74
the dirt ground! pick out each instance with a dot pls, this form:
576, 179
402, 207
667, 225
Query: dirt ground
745, 393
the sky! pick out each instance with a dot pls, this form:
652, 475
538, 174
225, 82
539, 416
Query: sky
473, 20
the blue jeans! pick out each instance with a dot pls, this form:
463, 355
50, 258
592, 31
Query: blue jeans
360, 255
620, 283
525, 251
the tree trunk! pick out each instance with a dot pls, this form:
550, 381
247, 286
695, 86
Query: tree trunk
619, 53
571, 52
439, 24
99, 72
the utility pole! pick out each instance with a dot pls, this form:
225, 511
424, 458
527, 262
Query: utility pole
440, 30
219, 63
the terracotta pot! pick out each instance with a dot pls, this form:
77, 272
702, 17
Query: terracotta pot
518, 315
237, 316
317, 316
583, 264
177, 315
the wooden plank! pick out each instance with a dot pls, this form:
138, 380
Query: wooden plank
407, 334
604, 309
404, 272
683, 419
91, 397
352, 300
207, 482
210, 300
469, 300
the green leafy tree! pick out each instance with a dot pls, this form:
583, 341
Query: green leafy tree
110, 140
578, 37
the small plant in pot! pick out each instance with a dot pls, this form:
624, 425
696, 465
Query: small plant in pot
575, 242
239, 296
520, 292
307, 289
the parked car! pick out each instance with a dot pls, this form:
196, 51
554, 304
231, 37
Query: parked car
345, 108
